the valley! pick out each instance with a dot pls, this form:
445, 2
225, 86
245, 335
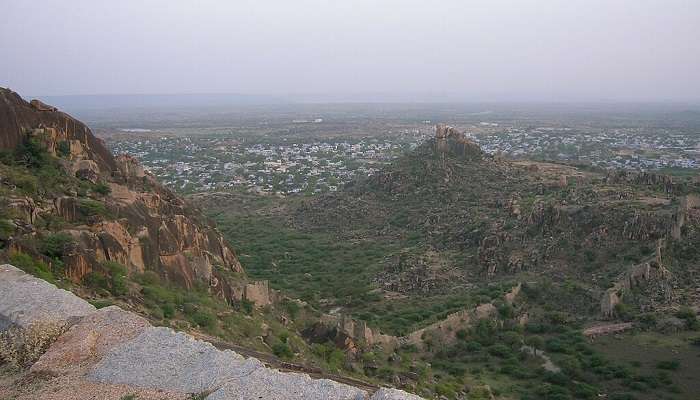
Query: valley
415, 257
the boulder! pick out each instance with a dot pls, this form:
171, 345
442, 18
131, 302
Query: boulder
86, 342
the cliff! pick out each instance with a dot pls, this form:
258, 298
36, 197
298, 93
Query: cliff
109, 206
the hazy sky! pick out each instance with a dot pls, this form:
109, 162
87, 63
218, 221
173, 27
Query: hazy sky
564, 50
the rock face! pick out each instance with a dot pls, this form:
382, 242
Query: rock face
449, 139
110, 353
638, 275
143, 226
89, 340
19, 118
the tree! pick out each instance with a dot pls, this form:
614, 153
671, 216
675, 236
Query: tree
536, 342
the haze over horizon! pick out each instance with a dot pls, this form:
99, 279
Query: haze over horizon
408, 51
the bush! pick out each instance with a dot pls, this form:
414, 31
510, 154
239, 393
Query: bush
247, 306
554, 345
117, 274
63, 148
96, 280
100, 303
148, 278
111, 278
32, 153
102, 188
669, 365
90, 208
292, 308
443, 389
55, 244
168, 310
31, 266
690, 317
7, 228
204, 319
500, 350
282, 350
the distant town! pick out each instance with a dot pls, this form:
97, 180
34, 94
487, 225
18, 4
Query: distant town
324, 163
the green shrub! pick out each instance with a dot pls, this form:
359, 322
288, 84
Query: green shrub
111, 277
100, 303
63, 148
282, 350
96, 280
102, 188
89, 208
292, 308
444, 389
168, 310
7, 228
117, 274
500, 350
669, 365
55, 244
32, 153
203, 319
247, 306
688, 314
31, 266
148, 278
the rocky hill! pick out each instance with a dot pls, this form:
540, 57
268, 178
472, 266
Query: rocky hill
77, 352
61, 184
479, 218
458, 274
74, 215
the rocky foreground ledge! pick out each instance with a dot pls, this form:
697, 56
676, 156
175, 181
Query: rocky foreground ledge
112, 354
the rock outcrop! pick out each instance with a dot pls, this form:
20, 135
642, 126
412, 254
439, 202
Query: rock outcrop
449, 139
111, 353
137, 223
638, 275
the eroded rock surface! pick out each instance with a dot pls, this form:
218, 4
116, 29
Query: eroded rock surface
135, 221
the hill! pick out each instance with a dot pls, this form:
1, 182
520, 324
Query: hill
468, 261
74, 215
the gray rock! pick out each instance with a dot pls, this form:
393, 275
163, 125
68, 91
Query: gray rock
393, 394
160, 358
269, 384
26, 300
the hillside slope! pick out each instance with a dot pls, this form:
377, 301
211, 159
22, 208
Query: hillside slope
66, 199
464, 217
114, 354
465, 275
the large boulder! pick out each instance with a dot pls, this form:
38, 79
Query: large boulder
86, 342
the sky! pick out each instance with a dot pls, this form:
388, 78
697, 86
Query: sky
359, 50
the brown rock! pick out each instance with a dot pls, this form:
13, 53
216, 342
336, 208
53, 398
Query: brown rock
85, 343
